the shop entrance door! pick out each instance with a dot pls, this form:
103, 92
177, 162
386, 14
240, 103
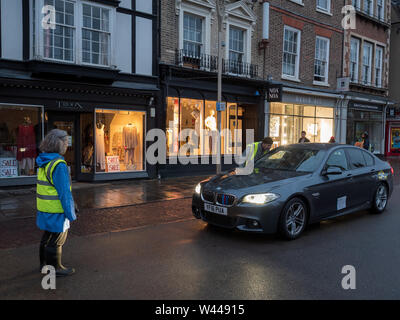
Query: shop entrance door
250, 121
68, 123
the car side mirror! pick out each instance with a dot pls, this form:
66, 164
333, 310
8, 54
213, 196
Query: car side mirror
332, 171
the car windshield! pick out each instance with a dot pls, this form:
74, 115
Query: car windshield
291, 159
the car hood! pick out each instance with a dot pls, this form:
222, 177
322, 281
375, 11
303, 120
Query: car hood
259, 181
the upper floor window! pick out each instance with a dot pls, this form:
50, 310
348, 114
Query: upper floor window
291, 52
82, 33
96, 35
192, 35
367, 63
369, 7
58, 43
354, 59
378, 66
236, 44
380, 9
321, 63
356, 4
324, 5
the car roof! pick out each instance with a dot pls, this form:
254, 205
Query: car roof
315, 146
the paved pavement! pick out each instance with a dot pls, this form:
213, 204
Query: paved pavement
190, 260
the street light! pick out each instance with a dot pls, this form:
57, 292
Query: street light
220, 4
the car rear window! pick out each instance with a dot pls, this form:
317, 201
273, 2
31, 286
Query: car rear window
356, 158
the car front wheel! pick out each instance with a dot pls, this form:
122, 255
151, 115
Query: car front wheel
293, 219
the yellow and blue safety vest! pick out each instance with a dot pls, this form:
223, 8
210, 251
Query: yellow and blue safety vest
47, 198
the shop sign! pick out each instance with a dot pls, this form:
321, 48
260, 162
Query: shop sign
221, 106
364, 106
69, 105
274, 93
112, 164
8, 167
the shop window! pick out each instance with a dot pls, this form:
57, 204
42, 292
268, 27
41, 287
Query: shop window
21, 131
119, 136
201, 117
308, 111
322, 112
172, 125
287, 121
324, 130
191, 118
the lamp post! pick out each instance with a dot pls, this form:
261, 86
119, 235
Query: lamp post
220, 4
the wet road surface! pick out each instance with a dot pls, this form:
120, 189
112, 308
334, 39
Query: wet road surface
190, 260
21, 202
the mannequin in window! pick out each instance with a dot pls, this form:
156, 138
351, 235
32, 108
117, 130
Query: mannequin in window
196, 117
26, 147
129, 142
100, 149
211, 126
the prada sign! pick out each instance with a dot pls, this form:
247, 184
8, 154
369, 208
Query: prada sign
274, 93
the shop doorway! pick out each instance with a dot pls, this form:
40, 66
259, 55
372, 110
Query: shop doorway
250, 122
69, 123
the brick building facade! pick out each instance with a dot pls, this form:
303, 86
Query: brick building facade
366, 68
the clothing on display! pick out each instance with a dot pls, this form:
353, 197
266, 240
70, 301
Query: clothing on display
26, 144
100, 153
129, 141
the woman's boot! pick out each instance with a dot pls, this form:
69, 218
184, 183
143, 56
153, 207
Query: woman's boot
60, 269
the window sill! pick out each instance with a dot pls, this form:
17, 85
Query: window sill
298, 2
328, 13
294, 79
322, 84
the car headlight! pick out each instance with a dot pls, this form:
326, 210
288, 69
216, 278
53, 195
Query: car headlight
260, 198
198, 188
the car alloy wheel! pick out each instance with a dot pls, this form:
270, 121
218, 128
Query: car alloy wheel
381, 198
295, 219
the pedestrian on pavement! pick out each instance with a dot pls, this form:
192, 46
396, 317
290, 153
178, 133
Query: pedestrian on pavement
303, 138
55, 204
259, 149
365, 140
332, 140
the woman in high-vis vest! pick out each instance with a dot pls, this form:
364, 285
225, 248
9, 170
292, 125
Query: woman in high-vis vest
55, 204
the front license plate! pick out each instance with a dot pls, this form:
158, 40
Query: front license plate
216, 209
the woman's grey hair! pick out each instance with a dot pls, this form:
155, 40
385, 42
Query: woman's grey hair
54, 141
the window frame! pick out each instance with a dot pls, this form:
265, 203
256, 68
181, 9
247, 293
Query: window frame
94, 30
371, 11
201, 12
37, 48
381, 11
369, 78
201, 44
327, 40
357, 64
381, 49
322, 9
298, 52
356, 4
